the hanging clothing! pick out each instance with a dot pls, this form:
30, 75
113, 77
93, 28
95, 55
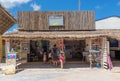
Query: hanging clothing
62, 58
109, 62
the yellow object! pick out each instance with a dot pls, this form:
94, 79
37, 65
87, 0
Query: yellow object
55, 23
10, 69
0, 48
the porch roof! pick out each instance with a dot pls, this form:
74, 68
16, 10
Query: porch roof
63, 34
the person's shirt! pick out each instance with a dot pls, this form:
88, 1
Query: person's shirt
55, 50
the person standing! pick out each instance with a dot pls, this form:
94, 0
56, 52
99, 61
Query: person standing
40, 53
44, 57
62, 59
63, 54
50, 57
55, 55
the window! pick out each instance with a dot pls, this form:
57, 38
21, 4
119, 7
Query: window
113, 42
56, 21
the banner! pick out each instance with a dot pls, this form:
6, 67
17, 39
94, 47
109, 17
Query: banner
61, 44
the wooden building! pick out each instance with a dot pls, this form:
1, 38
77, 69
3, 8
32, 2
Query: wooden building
73, 31
71, 20
111, 23
6, 21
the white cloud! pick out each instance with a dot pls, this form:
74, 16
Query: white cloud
98, 7
11, 31
35, 7
7, 32
118, 3
12, 3
15, 30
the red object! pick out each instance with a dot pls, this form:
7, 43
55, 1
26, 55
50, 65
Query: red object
61, 44
62, 58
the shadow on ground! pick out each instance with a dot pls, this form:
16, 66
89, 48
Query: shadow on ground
40, 65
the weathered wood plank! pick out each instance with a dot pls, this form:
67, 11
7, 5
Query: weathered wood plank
73, 20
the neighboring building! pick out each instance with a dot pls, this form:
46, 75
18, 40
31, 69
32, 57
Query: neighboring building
6, 21
111, 23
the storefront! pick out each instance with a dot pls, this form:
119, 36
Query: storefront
74, 32
29, 46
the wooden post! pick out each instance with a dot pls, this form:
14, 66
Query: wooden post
108, 47
7, 46
1, 46
26, 49
104, 52
90, 43
20, 52
90, 55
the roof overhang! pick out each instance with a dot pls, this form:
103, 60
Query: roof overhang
54, 35
63, 34
6, 20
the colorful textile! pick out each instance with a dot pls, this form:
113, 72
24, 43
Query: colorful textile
109, 62
62, 58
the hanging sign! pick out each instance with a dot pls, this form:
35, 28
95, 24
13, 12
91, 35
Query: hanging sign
61, 44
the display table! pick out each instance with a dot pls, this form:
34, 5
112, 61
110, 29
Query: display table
85, 55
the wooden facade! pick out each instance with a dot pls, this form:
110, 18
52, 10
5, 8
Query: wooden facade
72, 20
35, 26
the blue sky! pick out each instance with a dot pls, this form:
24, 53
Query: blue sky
102, 8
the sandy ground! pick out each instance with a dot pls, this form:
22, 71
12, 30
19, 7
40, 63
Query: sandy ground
67, 74
63, 75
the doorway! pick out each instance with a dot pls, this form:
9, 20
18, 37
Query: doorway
37, 48
3, 56
74, 49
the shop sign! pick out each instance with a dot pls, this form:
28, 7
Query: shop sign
11, 56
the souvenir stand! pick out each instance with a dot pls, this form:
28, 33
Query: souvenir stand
94, 58
95, 55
